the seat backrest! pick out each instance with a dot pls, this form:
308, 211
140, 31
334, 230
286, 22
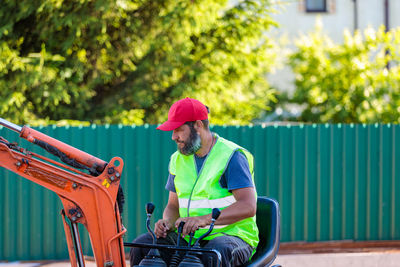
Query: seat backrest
268, 223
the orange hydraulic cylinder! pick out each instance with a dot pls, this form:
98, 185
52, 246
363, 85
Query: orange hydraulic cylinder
82, 157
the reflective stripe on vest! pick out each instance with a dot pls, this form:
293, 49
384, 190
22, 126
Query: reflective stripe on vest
207, 203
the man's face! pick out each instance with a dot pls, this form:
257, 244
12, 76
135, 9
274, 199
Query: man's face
187, 139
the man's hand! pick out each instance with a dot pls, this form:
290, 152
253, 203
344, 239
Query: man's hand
193, 223
244, 207
171, 213
162, 227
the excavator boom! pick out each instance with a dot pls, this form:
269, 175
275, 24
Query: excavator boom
88, 198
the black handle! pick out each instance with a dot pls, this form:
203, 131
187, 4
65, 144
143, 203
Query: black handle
150, 208
215, 213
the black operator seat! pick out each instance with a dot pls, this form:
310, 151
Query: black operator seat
268, 222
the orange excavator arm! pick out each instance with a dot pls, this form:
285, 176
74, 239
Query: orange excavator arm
88, 199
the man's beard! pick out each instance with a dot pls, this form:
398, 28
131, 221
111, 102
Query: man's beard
192, 145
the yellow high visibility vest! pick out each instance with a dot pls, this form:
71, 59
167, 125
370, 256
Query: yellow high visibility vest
199, 194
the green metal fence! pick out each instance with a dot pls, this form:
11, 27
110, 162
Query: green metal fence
333, 182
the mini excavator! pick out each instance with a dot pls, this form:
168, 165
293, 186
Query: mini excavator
90, 192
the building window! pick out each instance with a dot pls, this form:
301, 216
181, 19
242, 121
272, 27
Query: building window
316, 6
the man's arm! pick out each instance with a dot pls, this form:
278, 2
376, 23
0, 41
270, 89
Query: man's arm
170, 215
244, 207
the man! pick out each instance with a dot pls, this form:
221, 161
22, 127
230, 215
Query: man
206, 172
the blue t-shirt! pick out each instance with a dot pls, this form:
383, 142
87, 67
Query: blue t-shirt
237, 174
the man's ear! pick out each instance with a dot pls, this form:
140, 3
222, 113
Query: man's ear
198, 125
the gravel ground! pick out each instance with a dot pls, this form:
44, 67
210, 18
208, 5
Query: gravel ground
359, 259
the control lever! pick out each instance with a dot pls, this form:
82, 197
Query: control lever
214, 216
191, 234
191, 259
149, 210
153, 258
176, 258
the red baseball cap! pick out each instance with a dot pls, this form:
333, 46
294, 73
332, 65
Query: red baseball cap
184, 110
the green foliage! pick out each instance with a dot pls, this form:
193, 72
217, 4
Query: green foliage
127, 61
348, 82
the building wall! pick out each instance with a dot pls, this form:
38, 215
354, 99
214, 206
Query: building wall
394, 10
294, 20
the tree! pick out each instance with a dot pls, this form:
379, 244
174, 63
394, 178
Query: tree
349, 82
127, 61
